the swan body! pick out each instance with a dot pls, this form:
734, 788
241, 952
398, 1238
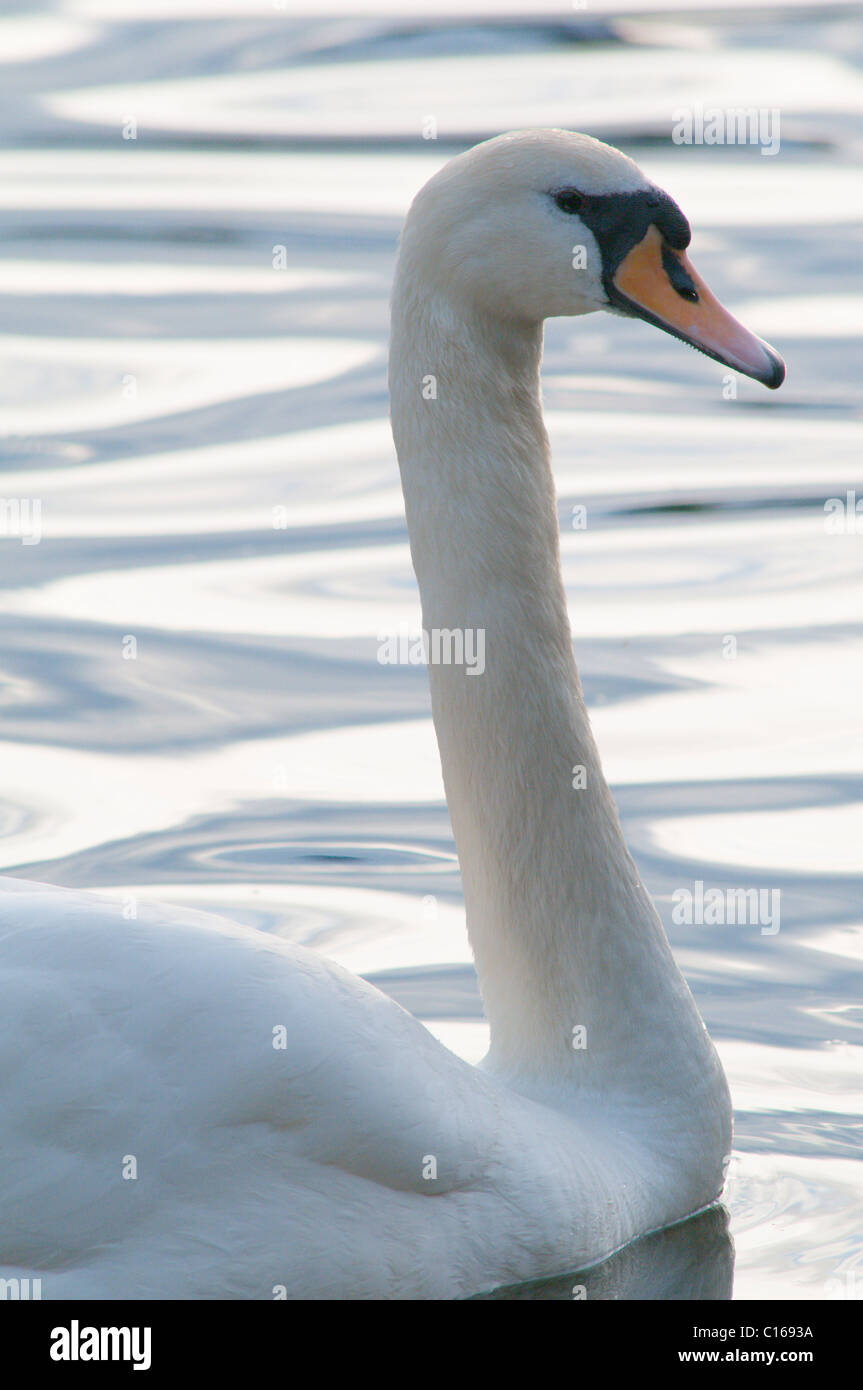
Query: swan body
193, 1109
260, 1169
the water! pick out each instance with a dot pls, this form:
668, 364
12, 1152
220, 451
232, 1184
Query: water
193, 708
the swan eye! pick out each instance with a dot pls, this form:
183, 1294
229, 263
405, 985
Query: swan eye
569, 200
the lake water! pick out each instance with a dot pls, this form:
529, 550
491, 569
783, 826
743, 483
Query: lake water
199, 205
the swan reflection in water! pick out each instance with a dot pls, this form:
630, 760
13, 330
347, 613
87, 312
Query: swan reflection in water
692, 1261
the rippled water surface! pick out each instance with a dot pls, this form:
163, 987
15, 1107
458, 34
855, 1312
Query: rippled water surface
199, 206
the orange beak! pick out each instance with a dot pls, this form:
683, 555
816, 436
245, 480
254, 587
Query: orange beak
657, 283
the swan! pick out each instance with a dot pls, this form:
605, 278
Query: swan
195, 1109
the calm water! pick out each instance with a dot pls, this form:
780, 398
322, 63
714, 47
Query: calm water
193, 706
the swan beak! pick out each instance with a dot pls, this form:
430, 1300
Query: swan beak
658, 283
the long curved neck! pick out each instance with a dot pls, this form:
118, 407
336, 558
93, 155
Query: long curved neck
562, 930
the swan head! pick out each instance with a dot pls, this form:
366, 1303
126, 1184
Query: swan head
541, 223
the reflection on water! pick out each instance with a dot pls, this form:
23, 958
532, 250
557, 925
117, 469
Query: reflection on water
199, 218
690, 1262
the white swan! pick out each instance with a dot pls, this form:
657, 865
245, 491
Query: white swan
364, 1159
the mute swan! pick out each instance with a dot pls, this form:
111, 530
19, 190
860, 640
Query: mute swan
157, 1141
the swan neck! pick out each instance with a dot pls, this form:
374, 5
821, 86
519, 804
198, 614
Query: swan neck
568, 948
